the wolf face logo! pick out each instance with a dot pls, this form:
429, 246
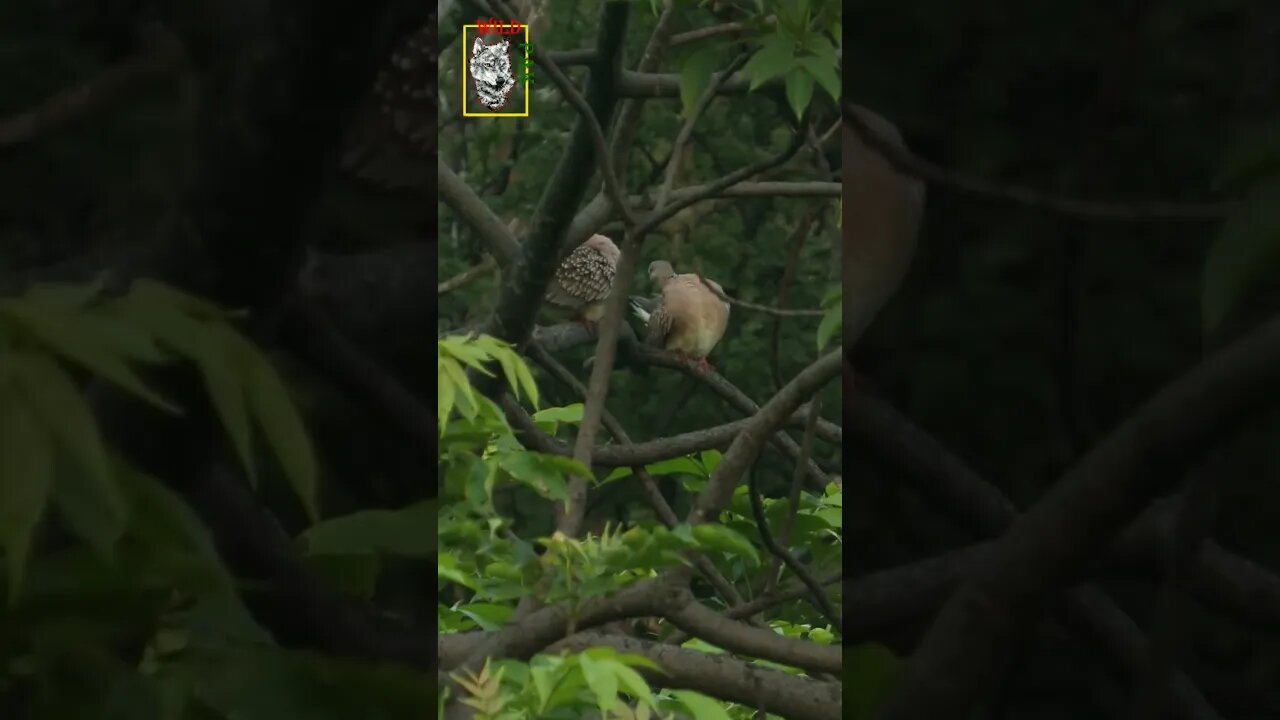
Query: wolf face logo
491, 73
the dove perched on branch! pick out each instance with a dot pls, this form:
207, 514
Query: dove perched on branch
687, 318
583, 281
881, 219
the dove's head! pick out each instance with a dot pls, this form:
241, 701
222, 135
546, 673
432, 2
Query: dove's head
604, 246
660, 271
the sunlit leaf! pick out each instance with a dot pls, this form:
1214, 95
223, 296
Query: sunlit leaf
714, 536
567, 414
601, 679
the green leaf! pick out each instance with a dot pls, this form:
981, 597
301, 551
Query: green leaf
617, 474
447, 570
157, 294
633, 682
58, 404
567, 414
71, 335
601, 679
715, 536
871, 671
509, 362
710, 460
825, 73
799, 90
445, 398
163, 520
26, 476
408, 532
487, 616
526, 381
831, 323
545, 473
469, 351
773, 59
94, 508
1246, 251
274, 409
676, 466
701, 706
458, 377
225, 386
695, 76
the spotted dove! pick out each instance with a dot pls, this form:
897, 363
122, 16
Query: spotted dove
687, 318
583, 281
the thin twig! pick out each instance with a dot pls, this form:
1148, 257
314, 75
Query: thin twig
624, 126
686, 130
906, 162
820, 599
798, 236
163, 56
793, 498
681, 201
729, 28
776, 311
470, 208
611, 184
480, 270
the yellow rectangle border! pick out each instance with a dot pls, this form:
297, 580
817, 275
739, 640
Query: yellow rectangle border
466, 73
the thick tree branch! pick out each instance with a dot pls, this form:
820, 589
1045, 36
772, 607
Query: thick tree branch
954, 664
476, 214
787, 696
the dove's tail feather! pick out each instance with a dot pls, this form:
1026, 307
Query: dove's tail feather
641, 308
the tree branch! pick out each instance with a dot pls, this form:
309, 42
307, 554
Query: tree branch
954, 664
787, 696
484, 267
906, 162
162, 56
476, 214
746, 446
